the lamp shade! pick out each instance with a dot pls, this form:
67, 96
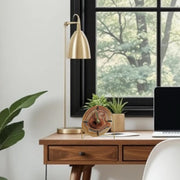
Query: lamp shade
79, 46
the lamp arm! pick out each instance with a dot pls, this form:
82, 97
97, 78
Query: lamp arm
69, 23
78, 22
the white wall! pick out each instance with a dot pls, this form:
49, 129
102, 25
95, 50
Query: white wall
31, 60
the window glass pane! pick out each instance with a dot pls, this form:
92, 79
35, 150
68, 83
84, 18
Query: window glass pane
170, 49
125, 54
170, 3
126, 3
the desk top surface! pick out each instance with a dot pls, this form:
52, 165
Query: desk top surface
65, 139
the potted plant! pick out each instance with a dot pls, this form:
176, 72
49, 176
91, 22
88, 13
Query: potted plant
11, 133
96, 101
117, 108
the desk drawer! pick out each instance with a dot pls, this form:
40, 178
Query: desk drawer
136, 153
86, 153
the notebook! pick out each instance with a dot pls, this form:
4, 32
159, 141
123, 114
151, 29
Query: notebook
166, 112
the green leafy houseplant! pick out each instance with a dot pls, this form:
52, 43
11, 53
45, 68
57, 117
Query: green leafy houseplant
96, 101
11, 133
1, 178
117, 106
118, 117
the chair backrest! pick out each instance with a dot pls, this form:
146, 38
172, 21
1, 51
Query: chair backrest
163, 162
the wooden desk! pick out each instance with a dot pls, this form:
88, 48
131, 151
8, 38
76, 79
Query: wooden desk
82, 152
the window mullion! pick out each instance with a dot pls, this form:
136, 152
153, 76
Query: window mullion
158, 42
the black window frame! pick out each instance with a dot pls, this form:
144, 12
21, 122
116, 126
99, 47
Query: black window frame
83, 72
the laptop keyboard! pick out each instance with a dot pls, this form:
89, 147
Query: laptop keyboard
166, 134
171, 133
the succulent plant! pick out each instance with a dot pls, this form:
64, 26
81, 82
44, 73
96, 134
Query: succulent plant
96, 101
117, 106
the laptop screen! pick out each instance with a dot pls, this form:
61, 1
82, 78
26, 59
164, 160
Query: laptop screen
167, 108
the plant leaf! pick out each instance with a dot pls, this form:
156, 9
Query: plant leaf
7, 115
2, 178
117, 106
3, 116
11, 134
96, 101
12, 115
25, 102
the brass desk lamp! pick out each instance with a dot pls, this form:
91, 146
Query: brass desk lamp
78, 49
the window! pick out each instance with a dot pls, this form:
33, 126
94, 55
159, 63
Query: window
135, 47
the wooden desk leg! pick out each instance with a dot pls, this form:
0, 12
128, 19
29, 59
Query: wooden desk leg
76, 172
87, 172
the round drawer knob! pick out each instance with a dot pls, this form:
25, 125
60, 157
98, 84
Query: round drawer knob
82, 153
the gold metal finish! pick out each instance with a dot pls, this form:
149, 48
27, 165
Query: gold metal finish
79, 46
78, 49
71, 130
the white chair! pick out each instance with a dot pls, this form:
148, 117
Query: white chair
163, 162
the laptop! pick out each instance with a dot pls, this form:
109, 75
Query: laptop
166, 112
